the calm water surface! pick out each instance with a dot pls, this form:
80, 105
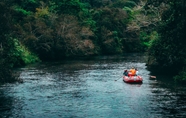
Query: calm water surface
87, 88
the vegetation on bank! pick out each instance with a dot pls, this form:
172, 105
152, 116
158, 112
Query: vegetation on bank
33, 31
55, 29
169, 49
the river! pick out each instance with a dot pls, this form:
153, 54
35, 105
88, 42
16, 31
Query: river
91, 88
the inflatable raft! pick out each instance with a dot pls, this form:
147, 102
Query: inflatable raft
132, 79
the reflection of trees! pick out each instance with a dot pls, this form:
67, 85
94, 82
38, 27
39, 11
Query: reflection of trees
5, 104
169, 99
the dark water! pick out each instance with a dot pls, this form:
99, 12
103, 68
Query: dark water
87, 89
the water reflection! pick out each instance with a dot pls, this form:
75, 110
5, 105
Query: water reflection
87, 88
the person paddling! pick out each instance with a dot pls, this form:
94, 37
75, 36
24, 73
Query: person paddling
136, 71
132, 72
125, 72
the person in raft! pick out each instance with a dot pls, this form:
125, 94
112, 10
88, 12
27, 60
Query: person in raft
136, 71
132, 72
125, 72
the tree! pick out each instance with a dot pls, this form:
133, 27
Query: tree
6, 44
169, 49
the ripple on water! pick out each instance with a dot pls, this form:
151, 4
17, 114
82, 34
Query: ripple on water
87, 88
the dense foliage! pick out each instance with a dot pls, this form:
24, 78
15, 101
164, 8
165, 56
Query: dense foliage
5, 44
169, 49
33, 30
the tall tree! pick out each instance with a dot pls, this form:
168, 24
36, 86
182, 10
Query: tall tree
169, 49
6, 44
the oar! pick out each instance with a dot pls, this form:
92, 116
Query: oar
118, 79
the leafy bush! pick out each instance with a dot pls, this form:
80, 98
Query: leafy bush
130, 13
181, 76
21, 55
124, 3
147, 39
22, 11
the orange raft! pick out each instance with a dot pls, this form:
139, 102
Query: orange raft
132, 79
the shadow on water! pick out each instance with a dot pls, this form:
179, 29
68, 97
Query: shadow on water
5, 103
170, 96
87, 88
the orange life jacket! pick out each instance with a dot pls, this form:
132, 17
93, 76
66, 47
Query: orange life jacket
132, 72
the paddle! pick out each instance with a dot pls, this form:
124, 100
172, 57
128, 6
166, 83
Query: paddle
118, 79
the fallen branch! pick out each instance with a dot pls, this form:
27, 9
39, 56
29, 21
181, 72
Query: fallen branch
153, 77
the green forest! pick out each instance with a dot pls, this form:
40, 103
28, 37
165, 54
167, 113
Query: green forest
49, 30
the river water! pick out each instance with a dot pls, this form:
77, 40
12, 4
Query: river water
91, 88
